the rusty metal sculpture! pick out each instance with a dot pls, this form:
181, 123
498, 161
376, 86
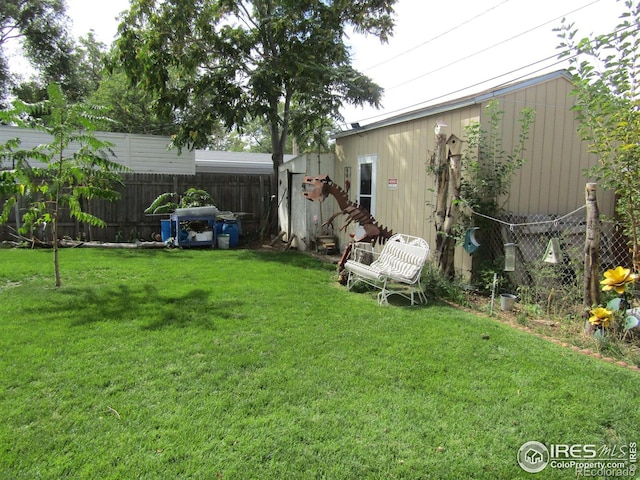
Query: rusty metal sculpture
322, 187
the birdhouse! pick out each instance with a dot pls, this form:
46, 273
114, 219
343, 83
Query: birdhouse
470, 242
439, 127
553, 254
454, 144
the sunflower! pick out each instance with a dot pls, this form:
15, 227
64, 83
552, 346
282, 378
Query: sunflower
617, 279
601, 317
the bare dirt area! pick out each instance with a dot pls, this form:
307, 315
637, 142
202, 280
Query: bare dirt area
569, 333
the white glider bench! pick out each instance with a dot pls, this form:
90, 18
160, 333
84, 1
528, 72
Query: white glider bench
396, 270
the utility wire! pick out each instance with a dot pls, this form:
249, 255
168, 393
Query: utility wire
563, 60
436, 37
491, 47
482, 82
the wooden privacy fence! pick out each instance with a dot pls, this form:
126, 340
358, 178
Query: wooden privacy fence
126, 220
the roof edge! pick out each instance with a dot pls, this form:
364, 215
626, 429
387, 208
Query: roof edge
472, 99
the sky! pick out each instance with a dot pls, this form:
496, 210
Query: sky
439, 50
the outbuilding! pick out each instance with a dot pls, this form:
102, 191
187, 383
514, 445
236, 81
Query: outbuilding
386, 161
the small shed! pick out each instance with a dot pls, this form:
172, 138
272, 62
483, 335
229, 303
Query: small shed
297, 215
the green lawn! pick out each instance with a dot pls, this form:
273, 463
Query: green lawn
243, 364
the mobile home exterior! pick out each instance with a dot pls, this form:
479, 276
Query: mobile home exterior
387, 160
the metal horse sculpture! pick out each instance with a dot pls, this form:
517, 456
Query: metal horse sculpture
322, 187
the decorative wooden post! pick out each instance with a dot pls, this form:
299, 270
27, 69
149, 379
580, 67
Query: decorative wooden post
591, 255
453, 207
440, 168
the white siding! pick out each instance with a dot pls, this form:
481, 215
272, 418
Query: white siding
239, 163
140, 153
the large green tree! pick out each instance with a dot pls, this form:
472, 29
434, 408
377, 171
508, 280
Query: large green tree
83, 72
230, 61
40, 28
129, 106
606, 72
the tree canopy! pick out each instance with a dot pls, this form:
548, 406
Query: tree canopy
606, 71
40, 27
230, 62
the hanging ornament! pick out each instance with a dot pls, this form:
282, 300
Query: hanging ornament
470, 242
509, 257
552, 254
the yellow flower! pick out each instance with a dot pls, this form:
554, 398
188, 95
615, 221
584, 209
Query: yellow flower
617, 279
601, 317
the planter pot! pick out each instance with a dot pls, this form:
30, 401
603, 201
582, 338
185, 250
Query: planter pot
507, 301
204, 236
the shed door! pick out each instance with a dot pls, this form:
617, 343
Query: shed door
366, 186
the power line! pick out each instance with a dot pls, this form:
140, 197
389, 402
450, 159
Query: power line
440, 35
466, 88
463, 89
490, 47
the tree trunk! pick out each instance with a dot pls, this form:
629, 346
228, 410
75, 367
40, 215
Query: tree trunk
591, 259
446, 255
56, 261
440, 168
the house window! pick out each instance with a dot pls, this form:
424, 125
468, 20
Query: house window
366, 195
367, 182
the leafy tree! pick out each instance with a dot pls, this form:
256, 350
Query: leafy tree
606, 72
255, 136
72, 168
89, 61
488, 172
40, 27
84, 64
129, 106
227, 61
480, 180
488, 167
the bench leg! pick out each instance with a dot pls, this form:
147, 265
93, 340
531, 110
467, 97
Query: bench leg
352, 279
349, 281
421, 294
383, 294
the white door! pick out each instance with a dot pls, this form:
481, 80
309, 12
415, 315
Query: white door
366, 194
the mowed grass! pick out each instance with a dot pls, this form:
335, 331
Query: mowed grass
244, 364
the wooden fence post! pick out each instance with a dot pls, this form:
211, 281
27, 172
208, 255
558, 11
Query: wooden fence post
591, 255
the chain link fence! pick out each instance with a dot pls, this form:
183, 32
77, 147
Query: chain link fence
541, 257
